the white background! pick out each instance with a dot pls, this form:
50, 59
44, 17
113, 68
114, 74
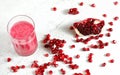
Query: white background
57, 24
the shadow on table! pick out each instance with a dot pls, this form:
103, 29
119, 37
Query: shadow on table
6, 47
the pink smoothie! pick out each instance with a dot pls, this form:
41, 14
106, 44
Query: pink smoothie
25, 41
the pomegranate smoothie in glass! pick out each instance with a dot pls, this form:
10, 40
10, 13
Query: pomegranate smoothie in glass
21, 29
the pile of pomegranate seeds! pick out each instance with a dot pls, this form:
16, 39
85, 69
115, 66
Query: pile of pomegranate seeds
73, 11
88, 26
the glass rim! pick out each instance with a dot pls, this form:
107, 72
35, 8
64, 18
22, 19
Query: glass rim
21, 20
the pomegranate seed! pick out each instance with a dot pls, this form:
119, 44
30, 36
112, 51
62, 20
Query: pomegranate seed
73, 11
110, 23
85, 49
46, 55
93, 46
50, 72
100, 42
103, 64
77, 56
9, 59
101, 46
93, 5
81, 3
110, 29
96, 37
114, 41
90, 57
23, 66
54, 9
72, 46
116, 18
104, 15
87, 72
106, 44
111, 61
73, 66
76, 35
108, 34
77, 74
107, 54
47, 38
62, 71
100, 35
115, 3
71, 28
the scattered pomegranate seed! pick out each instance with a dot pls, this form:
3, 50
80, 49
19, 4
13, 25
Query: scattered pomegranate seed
107, 54
9, 59
76, 35
106, 44
50, 72
90, 57
104, 15
93, 5
103, 64
108, 34
73, 11
71, 28
110, 29
46, 55
72, 46
100, 35
54, 9
94, 46
87, 72
62, 71
111, 61
23, 66
110, 23
47, 38
85, 49
77, 74
73, 66
81, 3
77, 56
116, 18
114, 41
115, 3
